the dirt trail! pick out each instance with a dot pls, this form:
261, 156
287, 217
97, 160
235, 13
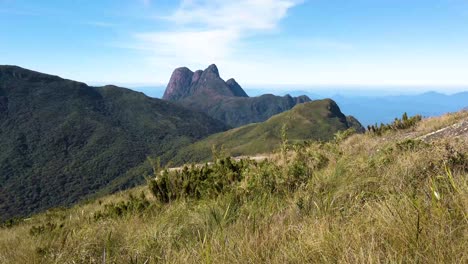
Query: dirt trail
459, 129
257, 158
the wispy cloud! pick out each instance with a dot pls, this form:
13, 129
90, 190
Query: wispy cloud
190, 46
236, 14
206, 31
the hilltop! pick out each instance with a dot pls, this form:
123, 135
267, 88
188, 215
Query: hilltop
315, 120
206, 91
399, 196
63, 140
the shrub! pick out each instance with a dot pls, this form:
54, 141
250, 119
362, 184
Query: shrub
134, 205
410, 145
206, 181
44, 228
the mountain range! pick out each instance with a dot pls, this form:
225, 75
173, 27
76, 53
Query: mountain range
63, 141
383, 109
372, 109
226, 101
315, 120
369, 107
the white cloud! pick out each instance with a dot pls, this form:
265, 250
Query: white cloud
237, 14
190, 46
209, 31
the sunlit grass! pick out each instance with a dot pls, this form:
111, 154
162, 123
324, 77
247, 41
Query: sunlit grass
355, 200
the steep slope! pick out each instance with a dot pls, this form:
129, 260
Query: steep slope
316, 120
185, 83
62, 140
235, 88
390, 199
206, 91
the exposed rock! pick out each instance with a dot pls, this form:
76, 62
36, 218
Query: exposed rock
179, 84
206, 91
236, 89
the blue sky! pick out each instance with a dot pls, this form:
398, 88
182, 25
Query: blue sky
259, 42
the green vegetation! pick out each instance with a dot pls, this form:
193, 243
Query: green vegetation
355, 199
398, 124
316, 120
197, 182
239, 111
62, 141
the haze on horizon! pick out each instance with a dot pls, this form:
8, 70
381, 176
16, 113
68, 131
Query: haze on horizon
259, 42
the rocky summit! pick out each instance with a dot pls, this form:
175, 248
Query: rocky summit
223, 100
185, 83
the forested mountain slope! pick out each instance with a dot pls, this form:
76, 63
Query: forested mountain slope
62, 140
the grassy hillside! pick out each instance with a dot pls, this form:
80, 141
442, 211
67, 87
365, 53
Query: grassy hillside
239, 111
62, 140
317, 120
356, 199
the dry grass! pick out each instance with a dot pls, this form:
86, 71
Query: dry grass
373, 201
435, 123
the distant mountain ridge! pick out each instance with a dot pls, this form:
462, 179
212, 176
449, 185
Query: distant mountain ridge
226, 101
63, 140
383, 109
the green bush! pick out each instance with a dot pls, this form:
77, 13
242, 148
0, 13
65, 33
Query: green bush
134, 205
244, 177
206, 181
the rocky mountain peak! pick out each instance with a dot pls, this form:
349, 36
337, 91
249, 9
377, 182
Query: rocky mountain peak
212, 69
235, 88
184, 83
196, 76
179, 84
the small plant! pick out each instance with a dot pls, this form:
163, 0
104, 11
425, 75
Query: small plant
410, 145
45, 228
342, 135
134, 205
284, 142
11, 222
455, 159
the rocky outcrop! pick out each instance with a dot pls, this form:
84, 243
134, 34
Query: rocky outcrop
185, 83
179, 84
235, 88
226, 101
